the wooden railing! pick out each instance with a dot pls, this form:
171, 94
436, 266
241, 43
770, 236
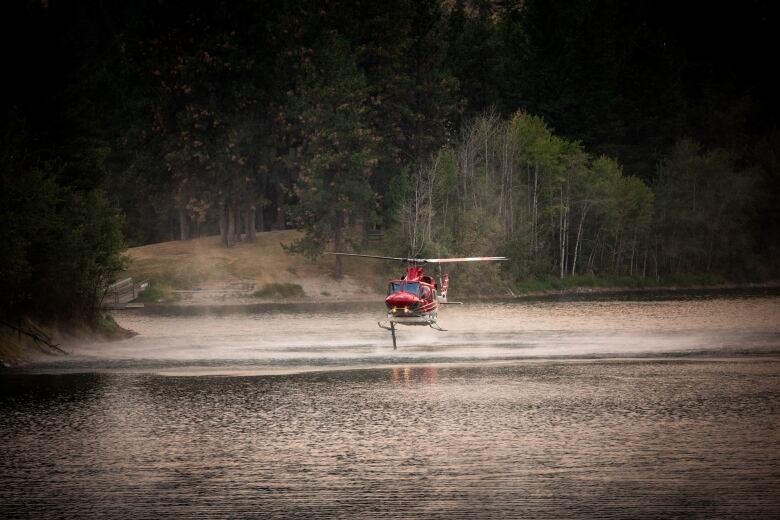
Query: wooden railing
123, 291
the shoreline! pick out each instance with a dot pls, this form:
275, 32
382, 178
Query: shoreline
34, 342
240, 302
579, 290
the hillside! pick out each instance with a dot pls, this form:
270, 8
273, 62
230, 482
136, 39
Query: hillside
214, 272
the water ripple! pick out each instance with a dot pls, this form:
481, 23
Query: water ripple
622, 439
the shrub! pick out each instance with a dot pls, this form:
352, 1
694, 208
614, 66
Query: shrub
280, 290
156, 292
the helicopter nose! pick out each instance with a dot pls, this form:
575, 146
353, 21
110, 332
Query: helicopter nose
401, 300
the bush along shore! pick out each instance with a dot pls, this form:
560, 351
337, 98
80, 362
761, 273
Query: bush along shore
607, 284
26, 340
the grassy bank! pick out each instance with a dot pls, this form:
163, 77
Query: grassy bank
204, 264
266, 271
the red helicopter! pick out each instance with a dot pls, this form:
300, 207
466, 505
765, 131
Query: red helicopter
414, 298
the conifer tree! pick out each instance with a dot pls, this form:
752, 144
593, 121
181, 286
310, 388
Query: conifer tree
336, 155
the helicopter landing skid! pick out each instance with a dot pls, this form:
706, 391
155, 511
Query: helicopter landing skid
391, 328
432, 324
435, 326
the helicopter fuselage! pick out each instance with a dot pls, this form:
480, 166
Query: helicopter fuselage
414, 299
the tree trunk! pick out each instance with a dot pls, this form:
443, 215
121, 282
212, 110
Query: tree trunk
338, 241
710, 249
184, 228
579, 237
223, 228
562, 220
510, 209
263, 202
655, 260
280, 216
615, 253
230, 240
366, 226
251, 231
237, 213
431, 180
535, 209
566, 217
594, 250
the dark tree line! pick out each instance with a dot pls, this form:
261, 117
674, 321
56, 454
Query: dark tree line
60, 236
605, 137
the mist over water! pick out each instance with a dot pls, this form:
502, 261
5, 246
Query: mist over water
268, 338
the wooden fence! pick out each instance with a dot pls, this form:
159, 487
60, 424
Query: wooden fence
120, 293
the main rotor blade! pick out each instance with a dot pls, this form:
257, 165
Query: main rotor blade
427, 260
374, 256
466, 259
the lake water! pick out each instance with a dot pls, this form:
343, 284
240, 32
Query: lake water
632, 407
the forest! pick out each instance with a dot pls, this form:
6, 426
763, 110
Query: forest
583, 139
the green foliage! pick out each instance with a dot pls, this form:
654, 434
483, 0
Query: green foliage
106, 325
64, 247
280, 290
704, 205
515, 188
337, 156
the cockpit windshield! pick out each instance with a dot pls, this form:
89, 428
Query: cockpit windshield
404, 286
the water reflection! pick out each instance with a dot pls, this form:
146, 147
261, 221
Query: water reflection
407, 375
